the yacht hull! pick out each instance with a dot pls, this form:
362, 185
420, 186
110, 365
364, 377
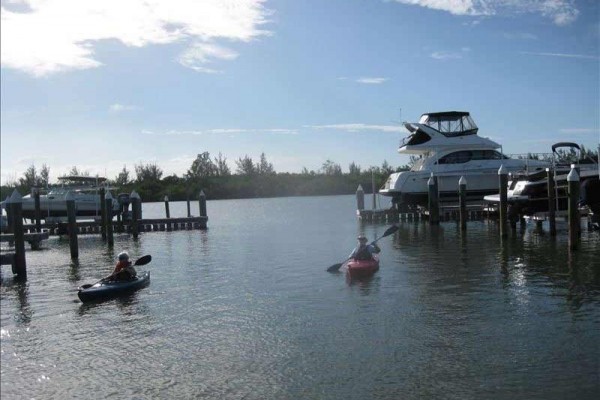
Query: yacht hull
411, 188
58, 208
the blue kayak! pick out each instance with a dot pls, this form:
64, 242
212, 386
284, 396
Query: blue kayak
108, 289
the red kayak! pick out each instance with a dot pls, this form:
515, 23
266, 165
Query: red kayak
362, 268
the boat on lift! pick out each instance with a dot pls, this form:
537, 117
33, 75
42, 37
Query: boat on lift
84, 190
527, 193
448, 146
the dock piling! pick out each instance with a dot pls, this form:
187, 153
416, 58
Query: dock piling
360, 198
462, 193
72, 226
503, 182
135, 214
202, 203
573, 210
551, 201
15, 205
108, 221
103, 212
167, 212
37, 212
189, 211
434, 210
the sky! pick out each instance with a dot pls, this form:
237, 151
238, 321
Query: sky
105, 84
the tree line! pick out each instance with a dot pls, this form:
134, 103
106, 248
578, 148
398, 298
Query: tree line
251, 179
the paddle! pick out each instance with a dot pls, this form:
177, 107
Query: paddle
388, 232
140, 261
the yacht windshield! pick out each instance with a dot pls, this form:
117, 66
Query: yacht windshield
450, 123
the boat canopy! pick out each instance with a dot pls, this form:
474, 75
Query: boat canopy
450, 123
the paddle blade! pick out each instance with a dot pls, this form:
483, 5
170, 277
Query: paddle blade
143, 260
388, 232
335, 267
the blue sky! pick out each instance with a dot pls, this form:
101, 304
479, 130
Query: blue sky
110, 83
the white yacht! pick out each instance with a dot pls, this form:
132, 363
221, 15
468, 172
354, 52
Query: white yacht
447, 145
85, 191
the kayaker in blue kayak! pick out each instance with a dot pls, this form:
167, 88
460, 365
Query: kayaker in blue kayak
124, 271
364, 251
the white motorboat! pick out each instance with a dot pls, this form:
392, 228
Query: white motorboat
447, 145
527, 193
85, 191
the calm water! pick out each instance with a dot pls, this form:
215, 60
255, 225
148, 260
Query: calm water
246, 310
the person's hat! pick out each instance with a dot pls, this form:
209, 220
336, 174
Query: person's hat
362, 238
123, 256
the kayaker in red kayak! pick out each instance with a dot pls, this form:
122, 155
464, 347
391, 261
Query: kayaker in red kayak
364, 251
123, 270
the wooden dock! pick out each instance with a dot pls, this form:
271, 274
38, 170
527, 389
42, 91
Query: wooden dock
33, 238
144, 225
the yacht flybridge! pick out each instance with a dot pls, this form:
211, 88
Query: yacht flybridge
447, 145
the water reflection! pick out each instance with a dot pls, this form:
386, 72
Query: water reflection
74, 272
19, 289
124, 303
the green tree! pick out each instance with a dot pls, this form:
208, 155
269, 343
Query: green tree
123, 177
74, 171
30, 178
331, 168
202, 167
245, 166
264, 167
149, 171
45, 175
222, 167
354, 169
386, 168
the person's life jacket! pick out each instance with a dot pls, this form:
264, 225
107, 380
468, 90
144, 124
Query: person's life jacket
126, 270
363, 253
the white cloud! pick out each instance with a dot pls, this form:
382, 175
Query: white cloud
117, 107
580, 130
520, 35
360, 127
561, 55
371, 81
449, 55
201, 54
562, 12
42, 37
220, 131
445, 55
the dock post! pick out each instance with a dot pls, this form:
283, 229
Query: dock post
72, 226
135, 207
9, 219
38, 212
551, 202
373, 189
103, 213
434, 211
189, 211
462, 192
360, 198
15, 205
574, 221
503, 182
167, 213
202, 203
108, 221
